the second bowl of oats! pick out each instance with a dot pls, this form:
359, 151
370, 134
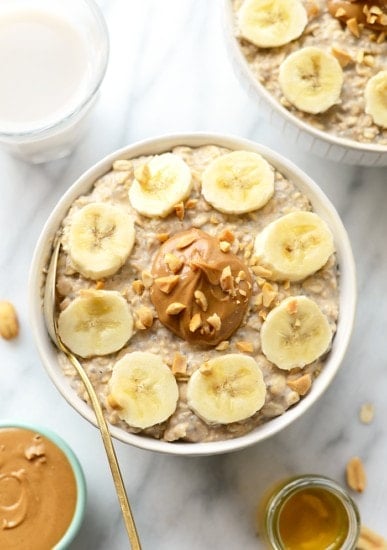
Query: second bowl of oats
206, 284
319, 71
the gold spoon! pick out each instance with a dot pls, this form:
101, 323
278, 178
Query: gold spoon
52, 327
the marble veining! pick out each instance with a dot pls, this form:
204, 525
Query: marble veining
169, 72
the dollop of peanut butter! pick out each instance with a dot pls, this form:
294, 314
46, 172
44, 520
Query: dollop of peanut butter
370, 13
37, 491
200, 292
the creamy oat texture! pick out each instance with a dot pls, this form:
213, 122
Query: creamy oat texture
367, 56
133, 281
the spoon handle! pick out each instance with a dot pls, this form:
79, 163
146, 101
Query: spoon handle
111, 454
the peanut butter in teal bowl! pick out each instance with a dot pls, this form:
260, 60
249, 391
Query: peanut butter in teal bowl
42, 489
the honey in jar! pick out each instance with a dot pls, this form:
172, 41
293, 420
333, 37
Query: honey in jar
309, 513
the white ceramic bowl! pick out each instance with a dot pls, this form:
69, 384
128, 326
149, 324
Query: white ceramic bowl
297, 131
320, 204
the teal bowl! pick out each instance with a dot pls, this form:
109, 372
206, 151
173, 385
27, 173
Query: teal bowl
80, 482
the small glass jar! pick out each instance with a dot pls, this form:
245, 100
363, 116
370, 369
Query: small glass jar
312, 510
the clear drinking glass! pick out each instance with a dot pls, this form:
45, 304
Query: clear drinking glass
53, 57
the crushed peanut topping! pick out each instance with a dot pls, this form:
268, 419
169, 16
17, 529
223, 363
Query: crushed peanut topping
244, 346
99, 285
185, 241
138, 287
179, 365
292, 307
225, 344
211, 281
367, 413
359, 14
201, 299
173, 262
195, 322
301, 385
175, 308
342, 56
191, 203
369, 540
111, 401
268, 294
167, 284
356, 476
162, 237
180, 210
224, 246
147, 279
227, 235
215, 321
145, 317
9, 323
261, 271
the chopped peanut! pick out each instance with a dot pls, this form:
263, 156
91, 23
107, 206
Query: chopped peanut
224, 246
180, 210
195, 322
186, 241
223, 345
173, 262
201, 299
162, 237
356, 476
145, 316
138, 287
9, 324
301, 385
112, 402
244, 346
215, 321
175, 308
147, 279
167, 284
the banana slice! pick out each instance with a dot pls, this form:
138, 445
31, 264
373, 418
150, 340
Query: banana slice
294, 246
159, 185
295, 333
226, 389
270, 23
238, 182
101, 237
311, 79
98, 322
376, 98
144, 389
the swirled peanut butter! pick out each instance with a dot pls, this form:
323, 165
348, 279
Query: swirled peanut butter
371, 13
200, 292
37, 491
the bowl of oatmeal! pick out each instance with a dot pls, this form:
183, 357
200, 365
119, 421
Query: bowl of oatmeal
206, 284
317, 68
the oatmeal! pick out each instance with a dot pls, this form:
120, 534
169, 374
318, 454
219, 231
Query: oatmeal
350, 35
194, 290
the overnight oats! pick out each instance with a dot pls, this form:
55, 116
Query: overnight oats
325, 61
200, 291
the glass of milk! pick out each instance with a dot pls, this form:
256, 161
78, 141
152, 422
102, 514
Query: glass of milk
53, 57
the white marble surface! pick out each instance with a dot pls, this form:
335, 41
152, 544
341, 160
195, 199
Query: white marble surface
169, 72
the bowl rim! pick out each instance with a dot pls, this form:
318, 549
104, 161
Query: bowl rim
321, 204
330, 139
80, 506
